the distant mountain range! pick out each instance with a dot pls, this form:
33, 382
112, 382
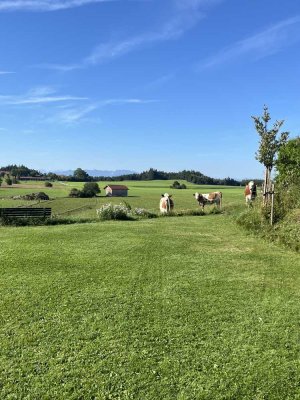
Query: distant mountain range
97, 172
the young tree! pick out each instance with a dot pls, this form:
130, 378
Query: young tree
270, 143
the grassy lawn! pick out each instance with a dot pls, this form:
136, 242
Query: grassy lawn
164, 309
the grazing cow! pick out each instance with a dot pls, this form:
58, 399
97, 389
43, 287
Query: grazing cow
250, 193
166, 203
209, 198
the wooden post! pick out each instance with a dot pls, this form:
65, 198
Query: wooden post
272, 205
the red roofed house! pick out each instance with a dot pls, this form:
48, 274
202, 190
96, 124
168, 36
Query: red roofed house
116, 190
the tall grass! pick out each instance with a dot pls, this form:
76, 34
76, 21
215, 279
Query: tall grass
286, 228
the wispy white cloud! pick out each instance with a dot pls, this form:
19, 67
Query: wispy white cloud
45, 5
41, 95
59, 67
185, 15
71, 115
6, 72
194, 4
269, 41
173, 29
158, 82
109, 102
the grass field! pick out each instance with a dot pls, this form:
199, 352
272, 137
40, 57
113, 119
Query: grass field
170, 308
144, 194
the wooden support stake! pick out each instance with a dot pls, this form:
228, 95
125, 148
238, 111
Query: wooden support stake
272, 205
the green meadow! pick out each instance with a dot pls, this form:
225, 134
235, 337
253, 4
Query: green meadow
145, 194
161, 309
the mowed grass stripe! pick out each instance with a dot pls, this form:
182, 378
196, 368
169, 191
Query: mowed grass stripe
173, 308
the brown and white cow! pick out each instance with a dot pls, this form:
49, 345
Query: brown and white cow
250, 193
166, 203
209, 198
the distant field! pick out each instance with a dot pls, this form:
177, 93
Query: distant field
145, 194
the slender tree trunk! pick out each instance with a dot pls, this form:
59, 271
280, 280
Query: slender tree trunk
272, 204
267, 186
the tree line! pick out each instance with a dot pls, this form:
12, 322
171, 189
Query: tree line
80, 175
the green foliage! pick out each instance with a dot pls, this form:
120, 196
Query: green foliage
286, 228
20, 170
48, 184
288, 163
90, 189
8, 180
143, 213
253, 219
178, 185
190, 176
75, 193
114, 212
81, 175
288, 232
270, 143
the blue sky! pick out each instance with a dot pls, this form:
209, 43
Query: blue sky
133, 84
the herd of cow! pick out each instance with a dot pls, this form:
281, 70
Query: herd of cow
166, 204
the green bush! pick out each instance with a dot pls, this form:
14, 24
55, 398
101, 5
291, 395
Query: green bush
177, 185
48, 184
111, 211
90, 189
288, 231
252, 219
75, 193
8, 181
143, 213
286, 227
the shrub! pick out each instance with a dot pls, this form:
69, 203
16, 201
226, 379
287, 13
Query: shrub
48, 184
253, 219
32, 196
285, 231
143, 213
90, 189
75, 193
288, 232
111, 211
177, 185
8, 181
41, 196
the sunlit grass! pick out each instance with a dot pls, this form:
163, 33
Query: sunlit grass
170, 308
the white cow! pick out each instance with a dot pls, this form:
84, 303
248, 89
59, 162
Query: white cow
209, 198
250, 193
166, 204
